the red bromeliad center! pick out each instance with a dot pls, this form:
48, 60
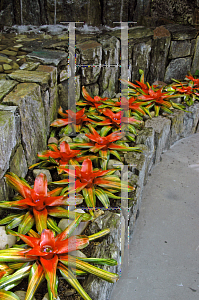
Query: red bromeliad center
87, 178
39, 200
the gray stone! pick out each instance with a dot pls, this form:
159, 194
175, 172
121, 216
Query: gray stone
63, 92
93, 89
91, 58
115, 164
49, 57
6, 239
179, 49
22, 295
139, 164
65, 74
136, 33
50, 101
161, 127
178, 69
146, 137
159, 53
41, 78
140, 59
66, 139
44, 171
18, 164
9, 135
6, 86
46, 297
5, 59
66, 222
5, 191
181, 32
49, 70
78, 253
27, 97
195, 62
110, 70
184, 124
108, 248
193, 45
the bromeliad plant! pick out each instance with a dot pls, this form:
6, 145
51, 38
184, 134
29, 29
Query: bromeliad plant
92, 183
104, 144
189, 93
72, 121
88, 100
44, 254
39, 202
118, 120
55, 157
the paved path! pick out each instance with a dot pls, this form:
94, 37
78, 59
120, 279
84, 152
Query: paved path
164, 253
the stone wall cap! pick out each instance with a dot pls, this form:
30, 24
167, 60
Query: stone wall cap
88, 45
181, 32
6, 87
30, 76
137, 32
48, 57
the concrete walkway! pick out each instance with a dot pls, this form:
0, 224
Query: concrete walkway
164, 252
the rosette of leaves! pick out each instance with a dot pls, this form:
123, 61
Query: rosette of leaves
94, 102
42, 256
154, 97
59, 156
71, 121
194, 81
104, 144
39, 204
93, 182
188, 92
120, 120
137, 108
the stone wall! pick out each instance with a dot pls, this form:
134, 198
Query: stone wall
158, 135
31, 95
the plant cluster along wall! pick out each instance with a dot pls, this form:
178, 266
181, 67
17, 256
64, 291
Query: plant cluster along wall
82, 170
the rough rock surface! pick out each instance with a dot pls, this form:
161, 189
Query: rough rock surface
9, 135
6, 87
178, 68
18, 163
6, 239
108, 248
161, 127
27, 97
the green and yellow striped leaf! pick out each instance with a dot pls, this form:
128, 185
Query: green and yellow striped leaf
36, 276
103, 197
51, 224
89, 196
18, 275
60, 212
9, 218
99, 234
6, 295
99, 261
71, 279
16, 221
27, 223
73, 262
